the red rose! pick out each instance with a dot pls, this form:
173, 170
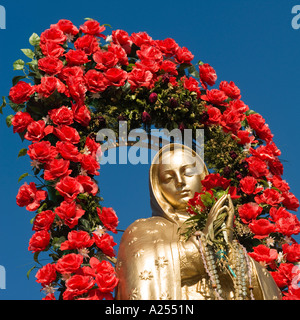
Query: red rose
183, 56
257, 123
42, 151
88, 43
81, 114
43, 220
216, 97
290, 201
257, 167
261, 228
168, 46
191, 84
148, 64
291, 252
267, 152
230, 89
280, 184
119, 52
20, 121
66, 26
139, 78
35, 131
96, 81
21, 92
69, 263
270, 197
141, 38
28, 196
207, 74
90, 164
57, 168
276, 167
108, 218
248, 185
88, 184
286, 223
70, 213
116, 76
46, 275
105, 60
78, 285
243, 137
53, 35
105, 243
68, 151
51, 49
93, 147
77, 88
39, 241
214, 115
61, 116
148, 52
231, 120
69, 72
50, 65
93, 28
238, 105
264, 254
215, 180
49, 85
121, 37
76, 57
284, 274
169, 67
249, 211
105, 275
66, 133
77, 240
69, 188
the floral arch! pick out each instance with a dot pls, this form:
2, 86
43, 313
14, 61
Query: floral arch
78, 81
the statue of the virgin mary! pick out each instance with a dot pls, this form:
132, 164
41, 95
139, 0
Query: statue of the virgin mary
155, 262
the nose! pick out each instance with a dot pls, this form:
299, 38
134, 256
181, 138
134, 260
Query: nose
179, 181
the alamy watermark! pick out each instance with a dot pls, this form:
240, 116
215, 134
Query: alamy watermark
140, 143
2, 278
296, 18
2, 17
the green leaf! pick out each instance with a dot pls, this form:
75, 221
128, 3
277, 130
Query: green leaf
24, 175
29, 271
28, 53
56, 242
35, 257
22, 152
8, 120
16, 79
2, 105
34, 40
19, 64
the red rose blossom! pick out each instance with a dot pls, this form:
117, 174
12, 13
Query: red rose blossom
109, 218
69, 188
20, 121
30, 197
77, 240
67, 133
257, 167
76, 58
68, 151
50, 65
105, 59
270, 197
81, 114
39, 241
89, 185
78, 285
249, 211
230, 89
70, 213
116, 76
21, 92
208, 75
90, 164
42, 151
46, 275
261, 228
57, 168
262, 253
215, 180
216, 97
61, 116
69, 263
105, 243
96, 81
43, 220
88, 43
139, 78
93, 28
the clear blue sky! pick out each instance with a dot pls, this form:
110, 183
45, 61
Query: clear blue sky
249, 42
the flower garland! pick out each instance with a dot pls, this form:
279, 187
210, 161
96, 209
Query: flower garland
79, 81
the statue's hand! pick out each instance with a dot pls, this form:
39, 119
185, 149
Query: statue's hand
223, 205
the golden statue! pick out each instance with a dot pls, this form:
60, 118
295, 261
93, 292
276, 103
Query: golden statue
156, 263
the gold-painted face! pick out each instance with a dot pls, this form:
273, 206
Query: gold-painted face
178, 178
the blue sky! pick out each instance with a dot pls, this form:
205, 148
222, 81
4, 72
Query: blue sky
249, 42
